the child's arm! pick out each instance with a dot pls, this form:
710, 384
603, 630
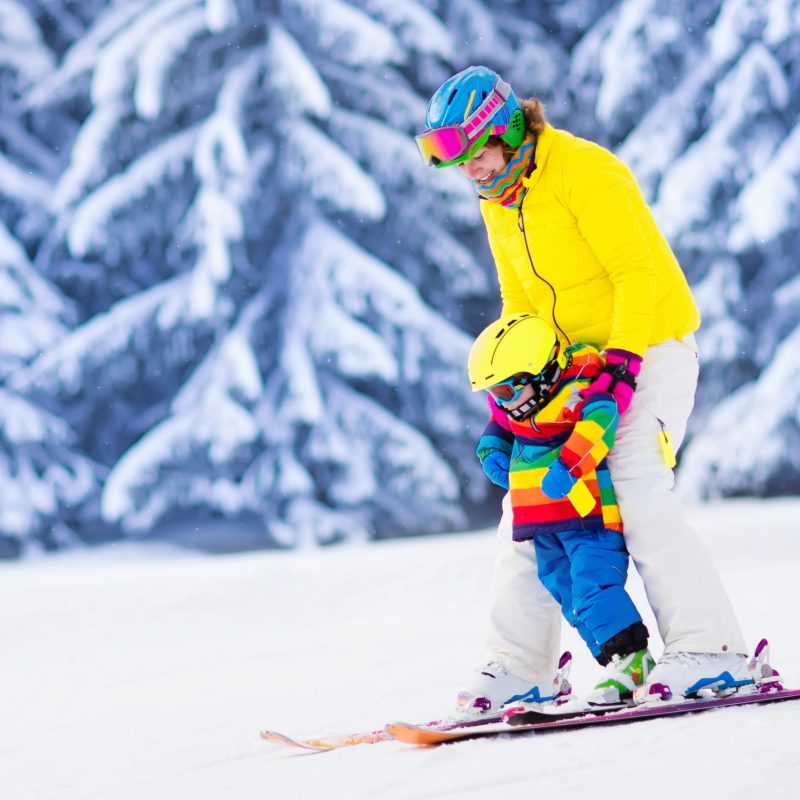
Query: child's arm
586, 447
494, 451
592, 437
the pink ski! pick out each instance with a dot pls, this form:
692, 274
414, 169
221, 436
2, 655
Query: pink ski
522, 720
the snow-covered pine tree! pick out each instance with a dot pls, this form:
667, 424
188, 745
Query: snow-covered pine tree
252, 302
45, 479
240, 219
709, 124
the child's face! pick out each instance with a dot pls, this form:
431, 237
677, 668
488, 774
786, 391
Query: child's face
525, 395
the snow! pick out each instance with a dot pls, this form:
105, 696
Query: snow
22, 185
221, 14
349, 287
721, 337
415, 26
107, 335
332, 176
751, 443
17, 25
159, 54
476, 33
38, 469
82, 55
114, 70
87, 228
25, 289
238, 150
292, 74
129, 496
737, 22
770, 199
138, 671
623, 77
21, 46
343, 32
86, 155
724, 150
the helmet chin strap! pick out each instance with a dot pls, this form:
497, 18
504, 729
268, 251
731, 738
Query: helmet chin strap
521, 413
542, 392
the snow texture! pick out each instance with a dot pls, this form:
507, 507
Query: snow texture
148, 670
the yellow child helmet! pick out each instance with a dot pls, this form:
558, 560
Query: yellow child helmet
519, 343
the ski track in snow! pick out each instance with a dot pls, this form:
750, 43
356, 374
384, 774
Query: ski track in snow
145, 671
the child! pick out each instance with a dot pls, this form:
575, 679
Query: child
548, 443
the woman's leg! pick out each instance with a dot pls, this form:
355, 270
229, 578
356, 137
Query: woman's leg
690, 604
525, 621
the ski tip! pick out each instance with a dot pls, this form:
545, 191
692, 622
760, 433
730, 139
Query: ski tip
325, 743
281, 738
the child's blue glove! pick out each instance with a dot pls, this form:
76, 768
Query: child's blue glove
495, 455
496, 464
557, 481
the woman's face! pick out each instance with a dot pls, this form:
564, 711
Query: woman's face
485, 164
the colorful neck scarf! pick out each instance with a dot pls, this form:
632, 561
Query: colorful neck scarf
506, 187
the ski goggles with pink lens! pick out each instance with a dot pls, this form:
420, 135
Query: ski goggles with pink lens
440, 145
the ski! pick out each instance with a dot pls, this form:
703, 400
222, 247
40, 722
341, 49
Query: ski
525, 721
323, 744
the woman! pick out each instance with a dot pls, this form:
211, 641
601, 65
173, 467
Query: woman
574, 242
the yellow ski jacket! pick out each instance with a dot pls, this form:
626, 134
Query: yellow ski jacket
590, 234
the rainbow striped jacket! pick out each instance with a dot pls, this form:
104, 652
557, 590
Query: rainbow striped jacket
577, 431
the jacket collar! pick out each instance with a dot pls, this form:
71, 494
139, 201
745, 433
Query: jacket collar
544, 144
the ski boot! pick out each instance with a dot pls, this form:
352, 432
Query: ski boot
496, 687
681, 675
624, 674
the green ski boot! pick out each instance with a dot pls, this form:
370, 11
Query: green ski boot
623, 675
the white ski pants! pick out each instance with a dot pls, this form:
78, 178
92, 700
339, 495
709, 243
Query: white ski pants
689, 602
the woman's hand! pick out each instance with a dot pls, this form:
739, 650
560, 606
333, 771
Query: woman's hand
617, 378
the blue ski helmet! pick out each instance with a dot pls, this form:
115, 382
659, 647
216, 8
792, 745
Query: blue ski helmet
464, 112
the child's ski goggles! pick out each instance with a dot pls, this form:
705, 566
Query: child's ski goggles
455, 143
509, 390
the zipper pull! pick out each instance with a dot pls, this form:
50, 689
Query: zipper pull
667, 450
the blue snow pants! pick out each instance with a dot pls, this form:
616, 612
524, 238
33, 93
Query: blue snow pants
585, 571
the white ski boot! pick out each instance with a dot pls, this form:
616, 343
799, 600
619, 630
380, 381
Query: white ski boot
682, 675
496, 687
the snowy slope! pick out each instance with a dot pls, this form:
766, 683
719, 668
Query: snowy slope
148, 672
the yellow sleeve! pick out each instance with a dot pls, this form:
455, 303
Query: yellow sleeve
610, 213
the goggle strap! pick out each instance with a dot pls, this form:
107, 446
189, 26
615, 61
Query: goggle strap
487, 109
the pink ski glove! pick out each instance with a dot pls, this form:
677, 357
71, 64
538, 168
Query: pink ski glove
617, 378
